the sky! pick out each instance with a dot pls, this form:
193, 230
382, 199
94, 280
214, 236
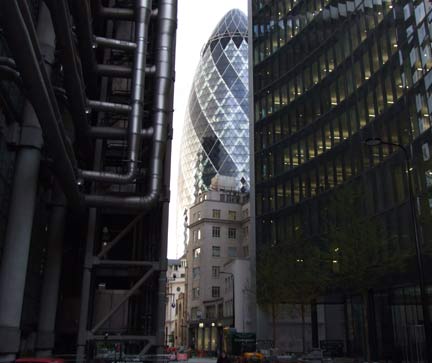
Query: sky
196, 21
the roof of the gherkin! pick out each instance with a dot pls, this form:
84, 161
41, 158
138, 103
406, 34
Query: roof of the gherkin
234, 23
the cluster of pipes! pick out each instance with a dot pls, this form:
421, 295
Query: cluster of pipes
33, 49
30, 53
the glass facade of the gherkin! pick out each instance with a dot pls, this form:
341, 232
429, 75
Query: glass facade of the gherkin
216, 131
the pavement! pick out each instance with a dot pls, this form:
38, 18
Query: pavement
201, 360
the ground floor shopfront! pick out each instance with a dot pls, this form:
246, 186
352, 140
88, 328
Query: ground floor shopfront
207, 337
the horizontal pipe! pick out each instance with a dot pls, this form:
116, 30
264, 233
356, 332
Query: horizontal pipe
111, 70
116, 13
120, 13
115, 43
115, 133
8, 62
74, 85
10, 74
28, 58
164, 82
109, 106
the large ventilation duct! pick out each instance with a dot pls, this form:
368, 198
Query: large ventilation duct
18, 25
164, 80
142, 14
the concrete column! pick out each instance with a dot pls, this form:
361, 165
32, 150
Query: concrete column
13, 266
50, 288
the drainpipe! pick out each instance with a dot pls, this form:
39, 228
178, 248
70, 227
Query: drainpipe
13, 267
142, 15
50, 288
27, 55
164, 81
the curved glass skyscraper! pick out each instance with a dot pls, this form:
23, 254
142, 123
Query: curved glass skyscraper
216, 131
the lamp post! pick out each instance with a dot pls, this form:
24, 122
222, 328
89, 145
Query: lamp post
233, 292
423, 293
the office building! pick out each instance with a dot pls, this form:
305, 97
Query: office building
327, 76
218, 272
215, 137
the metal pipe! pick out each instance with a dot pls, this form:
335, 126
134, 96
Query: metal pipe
116, 133
8, 62
111, 70
142, 13
27, 56
51, 280
115, 43
116, 13
10, 74
120, 13
164, 81
73, 74
16, 248
109, 106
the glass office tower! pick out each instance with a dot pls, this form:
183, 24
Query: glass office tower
327, 76
216, 131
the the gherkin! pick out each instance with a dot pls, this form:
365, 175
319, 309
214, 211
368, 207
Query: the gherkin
216, 131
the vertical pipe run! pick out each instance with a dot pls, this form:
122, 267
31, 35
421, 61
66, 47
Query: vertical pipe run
162, 108
51, 281
13, 266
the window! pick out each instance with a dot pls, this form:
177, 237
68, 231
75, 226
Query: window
196, 253
215, 271
199, 234
216, 251
216, 213
232, 232
198, 216
195, 272
216, 232
232, 251
195, 293
232, 215
215, 291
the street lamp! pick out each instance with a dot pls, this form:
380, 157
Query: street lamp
423, 293
233, 292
